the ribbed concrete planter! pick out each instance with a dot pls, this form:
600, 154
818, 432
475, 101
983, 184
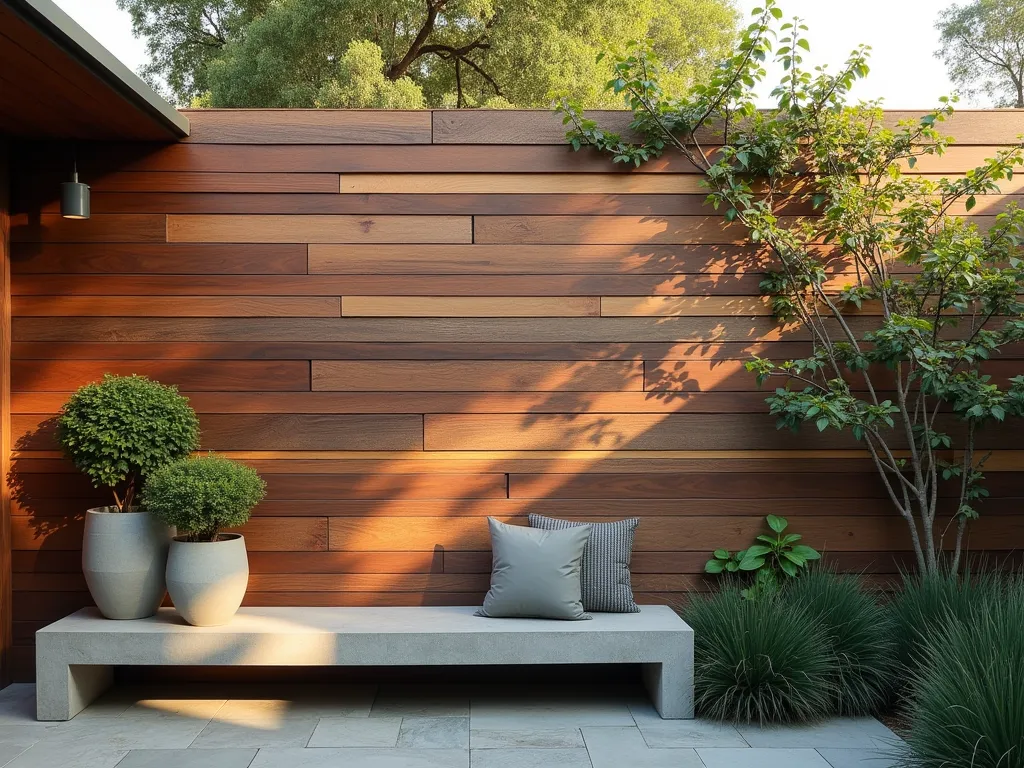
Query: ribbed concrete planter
124, 556
207, 579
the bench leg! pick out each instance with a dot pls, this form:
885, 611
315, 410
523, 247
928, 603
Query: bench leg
62, 690
670, 685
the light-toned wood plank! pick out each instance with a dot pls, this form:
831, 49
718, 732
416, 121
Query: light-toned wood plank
476, 376
217, 376
463, 306
656, 230
368, 582
683, 306
167, 306
520, 183
277, 228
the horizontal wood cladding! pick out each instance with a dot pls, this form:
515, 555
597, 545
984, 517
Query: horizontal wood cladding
408, 322
319, 229
476, 376
308, 126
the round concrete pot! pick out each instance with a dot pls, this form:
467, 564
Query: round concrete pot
207, 579
124, 556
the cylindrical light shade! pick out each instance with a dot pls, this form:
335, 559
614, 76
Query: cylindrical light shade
74, 200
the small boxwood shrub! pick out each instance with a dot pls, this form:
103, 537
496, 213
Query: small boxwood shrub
120, 430
967, 703
759, 661
859, 635
203, 494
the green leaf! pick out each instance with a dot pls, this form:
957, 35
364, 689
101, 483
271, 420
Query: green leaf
751, 563
776, 523
806, 552
970, 202
788, 567
758, 550
721, 554
714, 566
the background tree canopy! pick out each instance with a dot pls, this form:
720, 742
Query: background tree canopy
983, 49
416, 53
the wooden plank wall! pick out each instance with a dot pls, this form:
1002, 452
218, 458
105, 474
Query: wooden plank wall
409, 321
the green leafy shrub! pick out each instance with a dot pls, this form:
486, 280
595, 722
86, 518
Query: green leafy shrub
775, 557
859, 635
968, 694
759, 661
203, 494
120, 430
926, 604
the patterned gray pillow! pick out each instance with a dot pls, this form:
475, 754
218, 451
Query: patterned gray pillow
604, 577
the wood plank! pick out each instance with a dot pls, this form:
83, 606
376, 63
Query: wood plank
520, 183
392, 286
453, 306
227, 375
607, 230
683, 306
475, 376
578, 430
255, 432
164, 258
535, 259
369, 582
627, 330
318, 487
308, 126
40, 188
106, 228
263, 534
110, 203
318, 229
862, 534
342, 350
6, 615
437, 402
167, 306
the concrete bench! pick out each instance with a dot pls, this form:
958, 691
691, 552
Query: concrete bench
76, 656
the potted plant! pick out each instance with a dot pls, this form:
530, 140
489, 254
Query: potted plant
118, 431
207, 571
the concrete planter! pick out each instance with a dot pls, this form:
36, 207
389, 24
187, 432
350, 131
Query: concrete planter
124, 556
207, 579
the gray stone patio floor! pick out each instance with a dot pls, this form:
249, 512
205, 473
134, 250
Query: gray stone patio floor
356, 726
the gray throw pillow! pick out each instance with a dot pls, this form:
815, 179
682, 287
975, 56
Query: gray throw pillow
535, 573
605, 575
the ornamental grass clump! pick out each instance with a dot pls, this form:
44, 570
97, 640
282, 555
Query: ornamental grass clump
759, 661
119, 431
926, 604
967, 705
202, 495
859, 635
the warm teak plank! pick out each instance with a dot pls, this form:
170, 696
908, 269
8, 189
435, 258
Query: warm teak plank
165, 306
318, 229
520, 183
457, 306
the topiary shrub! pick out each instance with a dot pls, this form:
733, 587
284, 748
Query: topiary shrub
759, 661
203, 494
859, 635
967, 707
926, 604
120, 430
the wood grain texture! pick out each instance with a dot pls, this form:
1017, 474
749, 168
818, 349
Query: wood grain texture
6, 586
308, 126
157, 259
476, 376
452, 306
406, 328
519, 183
164, 306
319, 229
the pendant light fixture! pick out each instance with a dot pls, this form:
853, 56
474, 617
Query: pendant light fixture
74, 197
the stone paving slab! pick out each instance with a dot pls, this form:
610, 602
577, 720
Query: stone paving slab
839, 733
757, 757
361, 758
188, 758
861, 758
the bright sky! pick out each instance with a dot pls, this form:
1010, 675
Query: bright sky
901, 33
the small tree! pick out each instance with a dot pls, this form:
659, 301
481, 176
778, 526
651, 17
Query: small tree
201, 495
119, 430
930, 296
